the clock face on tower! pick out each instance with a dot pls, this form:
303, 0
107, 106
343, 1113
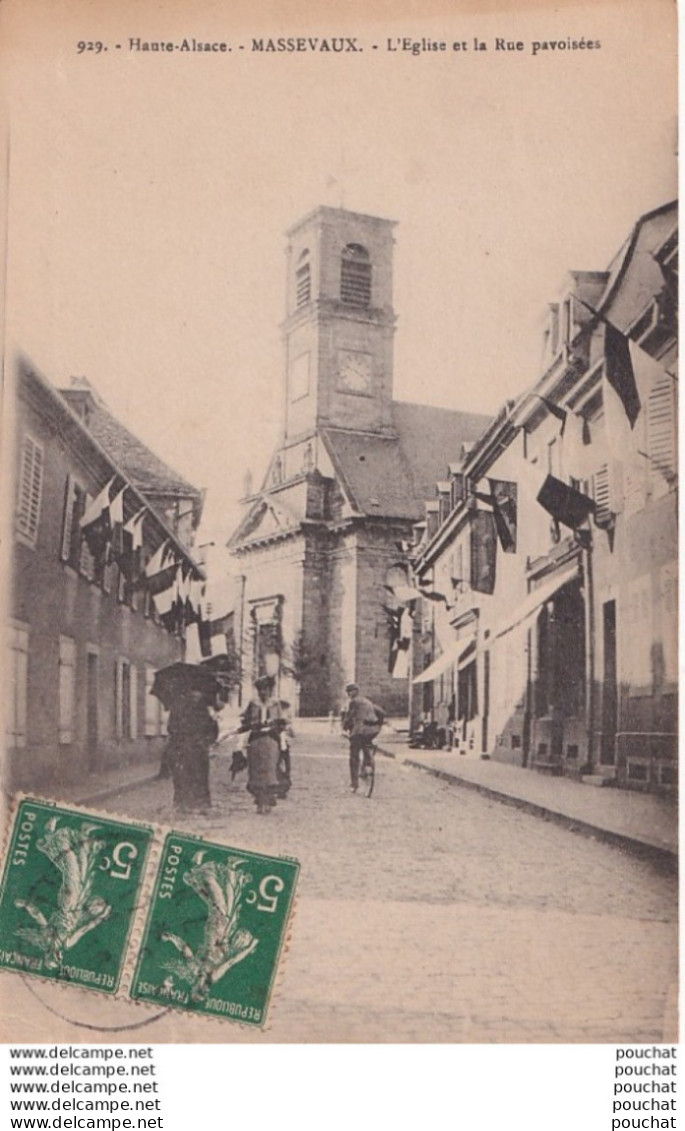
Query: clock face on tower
355, 372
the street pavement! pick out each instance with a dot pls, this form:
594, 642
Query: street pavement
427, 913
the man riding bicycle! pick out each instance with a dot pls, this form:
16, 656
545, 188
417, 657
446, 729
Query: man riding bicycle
362, 722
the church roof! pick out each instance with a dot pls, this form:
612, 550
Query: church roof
390, 477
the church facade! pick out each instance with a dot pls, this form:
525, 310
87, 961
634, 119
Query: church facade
321, 550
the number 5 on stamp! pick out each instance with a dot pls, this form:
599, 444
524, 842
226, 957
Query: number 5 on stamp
70, 891
215, 929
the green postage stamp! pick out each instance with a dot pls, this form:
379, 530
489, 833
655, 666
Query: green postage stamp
70, 891
215, 929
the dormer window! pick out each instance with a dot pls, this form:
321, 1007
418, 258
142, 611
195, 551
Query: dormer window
303, 280
355, 276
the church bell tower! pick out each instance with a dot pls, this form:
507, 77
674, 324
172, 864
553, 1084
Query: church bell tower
339, 326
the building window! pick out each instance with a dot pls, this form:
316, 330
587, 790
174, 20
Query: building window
303, 280
67, 689
87, 562
30, 490
355, 276
152, 704
17, 684
74, 550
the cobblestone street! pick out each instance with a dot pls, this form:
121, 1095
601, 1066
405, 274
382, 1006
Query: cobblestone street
430, 913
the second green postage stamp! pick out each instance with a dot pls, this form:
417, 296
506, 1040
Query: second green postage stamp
215, 929
70, 891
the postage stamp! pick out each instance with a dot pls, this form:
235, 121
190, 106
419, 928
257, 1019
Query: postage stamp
215, 929
70, 892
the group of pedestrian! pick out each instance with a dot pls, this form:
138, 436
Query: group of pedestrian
265, 728
193, 729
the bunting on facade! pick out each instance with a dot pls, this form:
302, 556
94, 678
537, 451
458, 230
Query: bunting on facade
160, 572
555, 410
565, 503
96, 522
401, 621
630, 374
129, 555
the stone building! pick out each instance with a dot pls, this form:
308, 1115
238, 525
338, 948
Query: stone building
321, 543
554, 543
84, 641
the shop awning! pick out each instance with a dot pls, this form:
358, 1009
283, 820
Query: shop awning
538, 597
450, 656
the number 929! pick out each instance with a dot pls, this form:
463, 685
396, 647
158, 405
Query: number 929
90, 45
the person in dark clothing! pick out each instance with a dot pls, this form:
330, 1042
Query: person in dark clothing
362, 722
192, 730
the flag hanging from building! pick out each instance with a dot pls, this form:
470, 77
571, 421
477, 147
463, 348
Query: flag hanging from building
555, 410
630, 374
96, 522
160, 572
116, 518
565, 503
483, 551
129, 557
401, 620
619, 373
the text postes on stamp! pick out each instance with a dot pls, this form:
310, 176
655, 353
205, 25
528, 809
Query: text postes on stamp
70, 891
215, 929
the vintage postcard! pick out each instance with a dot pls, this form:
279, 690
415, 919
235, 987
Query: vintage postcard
339, 510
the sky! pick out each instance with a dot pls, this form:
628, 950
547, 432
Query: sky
149, 195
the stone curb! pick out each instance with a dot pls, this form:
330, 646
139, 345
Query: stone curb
665, 858
114, 790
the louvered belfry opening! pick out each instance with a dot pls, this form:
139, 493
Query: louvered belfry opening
303, 280
355, 276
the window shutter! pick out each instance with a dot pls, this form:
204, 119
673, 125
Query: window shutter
601, 492
661, 443
133, 713
18, 681
30, 489
67, 687
117, 700
68, 522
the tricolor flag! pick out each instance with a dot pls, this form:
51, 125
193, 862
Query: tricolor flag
555, 410
116, 518
630, 374
96, 522
130, 554
160, 571
565, 503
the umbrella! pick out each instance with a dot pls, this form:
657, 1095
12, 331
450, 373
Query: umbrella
181, 678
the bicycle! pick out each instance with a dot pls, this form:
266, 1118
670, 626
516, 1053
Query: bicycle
366, 777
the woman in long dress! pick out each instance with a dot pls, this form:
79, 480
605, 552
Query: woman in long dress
192, 730
263, 719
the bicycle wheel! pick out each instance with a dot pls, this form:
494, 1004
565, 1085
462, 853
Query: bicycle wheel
367, 777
